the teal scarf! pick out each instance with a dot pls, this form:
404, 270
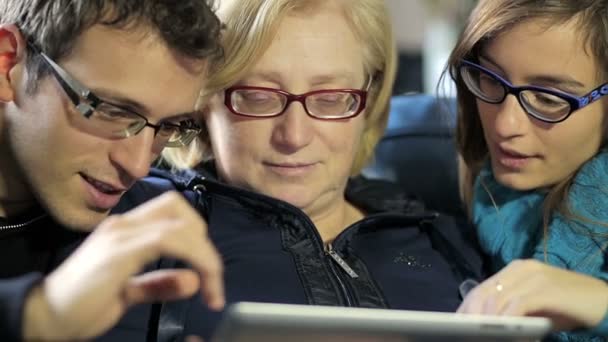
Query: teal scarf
510, 223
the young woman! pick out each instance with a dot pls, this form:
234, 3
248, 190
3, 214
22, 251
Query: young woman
532, 78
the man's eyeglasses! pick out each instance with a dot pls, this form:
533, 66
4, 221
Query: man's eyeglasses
328, 104
111, 121
544, 104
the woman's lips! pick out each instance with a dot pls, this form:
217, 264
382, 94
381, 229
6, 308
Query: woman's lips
512, 159
290, 169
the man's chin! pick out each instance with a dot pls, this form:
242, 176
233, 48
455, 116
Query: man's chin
85, 220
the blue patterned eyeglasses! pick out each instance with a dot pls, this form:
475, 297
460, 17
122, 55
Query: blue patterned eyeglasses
544, 104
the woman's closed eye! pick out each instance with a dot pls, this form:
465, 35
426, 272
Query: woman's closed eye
257, 96
331, 99
546, 100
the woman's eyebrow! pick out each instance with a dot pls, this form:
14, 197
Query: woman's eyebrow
558, 80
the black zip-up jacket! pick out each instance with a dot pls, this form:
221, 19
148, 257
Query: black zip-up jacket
404, 257
399, 256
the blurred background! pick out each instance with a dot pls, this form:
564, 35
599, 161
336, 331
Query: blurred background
426, 31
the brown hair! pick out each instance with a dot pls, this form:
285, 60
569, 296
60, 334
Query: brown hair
489, 19
189, 27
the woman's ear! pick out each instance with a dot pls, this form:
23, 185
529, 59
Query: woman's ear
11, 52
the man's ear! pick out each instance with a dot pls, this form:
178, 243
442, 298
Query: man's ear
12, 49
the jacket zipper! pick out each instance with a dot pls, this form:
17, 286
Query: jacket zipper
335, 257
345, 293
338, 259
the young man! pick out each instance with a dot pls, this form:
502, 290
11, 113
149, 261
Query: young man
90, 93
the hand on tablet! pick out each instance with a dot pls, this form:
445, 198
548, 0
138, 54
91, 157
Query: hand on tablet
532, 288
94, 287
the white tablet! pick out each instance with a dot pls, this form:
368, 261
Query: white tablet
261, 322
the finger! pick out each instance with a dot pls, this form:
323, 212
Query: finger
212, 278
194, 247
493, 295
515, 307
537, 305
474, 302
465, 306
529, 306
161, 285
484, 299
193, 338
182, 237
162, 238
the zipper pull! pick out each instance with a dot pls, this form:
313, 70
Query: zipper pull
338, 259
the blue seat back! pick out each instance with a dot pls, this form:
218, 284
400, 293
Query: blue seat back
418, 151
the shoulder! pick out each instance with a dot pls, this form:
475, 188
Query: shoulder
156, 183
591, 181
588, 195
377, 196
452, 236
579, 235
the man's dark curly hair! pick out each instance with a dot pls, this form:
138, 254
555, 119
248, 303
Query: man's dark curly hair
188, 27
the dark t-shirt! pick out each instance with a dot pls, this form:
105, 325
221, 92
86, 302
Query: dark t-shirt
31, 246
33, 242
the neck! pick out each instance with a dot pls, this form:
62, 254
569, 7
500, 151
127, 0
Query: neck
15, 196
335, 219
10, 209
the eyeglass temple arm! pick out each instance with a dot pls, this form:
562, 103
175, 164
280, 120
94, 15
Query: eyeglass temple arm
74, 89
370, 81
593, 95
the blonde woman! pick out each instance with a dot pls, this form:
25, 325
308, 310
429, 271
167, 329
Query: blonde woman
532, 79
296, 110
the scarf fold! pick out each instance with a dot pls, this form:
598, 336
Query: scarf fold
510, 222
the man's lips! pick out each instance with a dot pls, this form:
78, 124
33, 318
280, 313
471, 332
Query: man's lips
101, 196
104, 187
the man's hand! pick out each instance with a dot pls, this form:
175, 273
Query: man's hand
94, 287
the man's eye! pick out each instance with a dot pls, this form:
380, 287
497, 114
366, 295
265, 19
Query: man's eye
182, 123
114, 114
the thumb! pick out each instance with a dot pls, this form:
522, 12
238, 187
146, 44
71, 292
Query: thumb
161, 285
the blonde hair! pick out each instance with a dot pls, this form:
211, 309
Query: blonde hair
250, 27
